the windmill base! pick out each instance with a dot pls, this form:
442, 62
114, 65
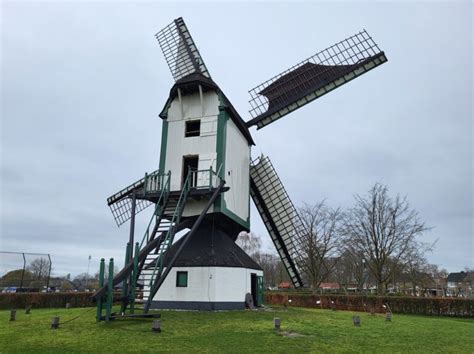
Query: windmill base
211, 273
197, 305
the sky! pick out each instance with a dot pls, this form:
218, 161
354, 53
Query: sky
82, 85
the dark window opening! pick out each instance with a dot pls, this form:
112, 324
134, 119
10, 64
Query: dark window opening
193, 128
253, 287
182, 279
190, 163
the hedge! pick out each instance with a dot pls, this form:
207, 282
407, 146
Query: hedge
42, 300
408, 305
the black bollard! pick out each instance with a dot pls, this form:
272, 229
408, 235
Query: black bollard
12, 315
276, 323
156, 326
28, 309
55, 323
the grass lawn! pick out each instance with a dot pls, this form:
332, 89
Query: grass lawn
303, 330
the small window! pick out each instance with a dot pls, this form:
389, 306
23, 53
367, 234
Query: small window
193, 128
182, 279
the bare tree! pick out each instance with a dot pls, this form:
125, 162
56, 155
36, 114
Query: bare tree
416, 267
249, 242
318, 243
350, 269
342, 272
273, 270
384, 230
40, 268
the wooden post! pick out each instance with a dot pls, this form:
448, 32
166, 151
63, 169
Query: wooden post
110, 290
276, 323
132, 235
133, 285
23, 272
124, 283
101, 284
156, 326
55, 322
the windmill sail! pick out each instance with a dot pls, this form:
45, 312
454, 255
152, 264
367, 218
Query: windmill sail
313, 78
278, 214
120, 203
180, 51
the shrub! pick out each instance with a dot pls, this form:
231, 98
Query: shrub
407, 305
44, 300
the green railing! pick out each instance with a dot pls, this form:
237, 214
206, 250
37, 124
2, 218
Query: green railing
161, 181
204, 179
155, 182
168, 240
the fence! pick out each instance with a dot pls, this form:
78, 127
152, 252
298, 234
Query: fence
21, 271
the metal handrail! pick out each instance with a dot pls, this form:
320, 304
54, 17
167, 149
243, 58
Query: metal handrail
169, 234
165, 191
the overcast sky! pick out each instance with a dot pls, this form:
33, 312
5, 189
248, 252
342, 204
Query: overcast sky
83, 83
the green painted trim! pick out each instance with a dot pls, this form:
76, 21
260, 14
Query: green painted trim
164, 112
220, 204
235, 217
222, 119
164, 144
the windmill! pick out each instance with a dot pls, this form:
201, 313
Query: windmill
206, 178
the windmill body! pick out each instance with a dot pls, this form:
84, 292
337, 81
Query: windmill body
206, 179
201, 131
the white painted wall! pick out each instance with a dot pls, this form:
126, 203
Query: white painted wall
204, 145
234, 283
208, 284
237, 162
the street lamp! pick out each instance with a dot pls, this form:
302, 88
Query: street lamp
88, 267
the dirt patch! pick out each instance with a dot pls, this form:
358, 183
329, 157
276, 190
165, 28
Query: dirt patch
290, 334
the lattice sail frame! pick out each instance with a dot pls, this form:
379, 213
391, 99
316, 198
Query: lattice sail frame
180, 51
279, 216
122, 209
314, 77
120, 203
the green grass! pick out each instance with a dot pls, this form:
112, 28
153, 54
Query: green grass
312, 330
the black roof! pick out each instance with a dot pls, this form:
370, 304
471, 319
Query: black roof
190, 84
210, 247
457, 277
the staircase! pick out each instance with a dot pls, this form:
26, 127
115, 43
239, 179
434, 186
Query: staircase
176, 207
146, 267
